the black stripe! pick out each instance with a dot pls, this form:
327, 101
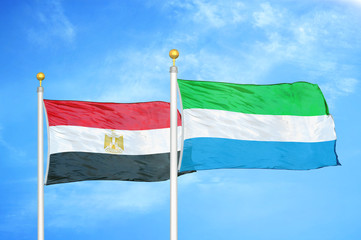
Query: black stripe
81, 166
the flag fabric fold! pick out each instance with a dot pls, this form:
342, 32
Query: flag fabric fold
108, 141
281, 126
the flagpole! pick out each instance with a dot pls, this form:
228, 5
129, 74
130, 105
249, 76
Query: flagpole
40, 76
173, 148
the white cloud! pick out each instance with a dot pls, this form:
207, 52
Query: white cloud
283, 37
304, 34
18, 219
339, 87
53, 24
311, 42
84, 204
215, 14
132, 76
188, 179
214, 186
13, 149
353, 2
218, 15
268, 16
348, 85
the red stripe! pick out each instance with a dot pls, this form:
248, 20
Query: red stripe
122, 116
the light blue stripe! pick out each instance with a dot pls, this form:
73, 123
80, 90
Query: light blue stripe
214, 153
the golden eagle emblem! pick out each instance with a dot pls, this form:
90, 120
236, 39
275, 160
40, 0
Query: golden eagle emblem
113, 142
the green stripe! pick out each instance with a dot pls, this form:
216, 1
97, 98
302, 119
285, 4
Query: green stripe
298, 99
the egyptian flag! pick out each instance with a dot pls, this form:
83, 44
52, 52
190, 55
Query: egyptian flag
108, 141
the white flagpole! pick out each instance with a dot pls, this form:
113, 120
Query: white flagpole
173, 148
40, 76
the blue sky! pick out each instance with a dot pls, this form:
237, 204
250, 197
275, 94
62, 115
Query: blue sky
118, 51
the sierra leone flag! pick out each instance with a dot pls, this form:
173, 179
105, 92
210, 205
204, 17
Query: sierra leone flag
108, 141
281, 126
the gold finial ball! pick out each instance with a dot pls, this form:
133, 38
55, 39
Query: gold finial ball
40, 76
173, 53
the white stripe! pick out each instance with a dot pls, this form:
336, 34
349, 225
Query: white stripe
255, 127
85, 139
